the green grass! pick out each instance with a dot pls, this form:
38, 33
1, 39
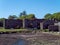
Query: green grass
11, 30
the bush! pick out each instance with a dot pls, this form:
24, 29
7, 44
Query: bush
46, 30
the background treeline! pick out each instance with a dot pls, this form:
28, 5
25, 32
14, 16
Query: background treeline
53, 16
24, 15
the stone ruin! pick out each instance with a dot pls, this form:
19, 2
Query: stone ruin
13, 24
30, 24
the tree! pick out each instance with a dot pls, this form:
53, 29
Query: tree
2, 19
12, 17
30, 16
53, 16
57, 15
20, 14
48, 16
22, 17
23, 13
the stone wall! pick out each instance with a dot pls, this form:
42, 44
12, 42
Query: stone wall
13, 23
53, 28
29, 24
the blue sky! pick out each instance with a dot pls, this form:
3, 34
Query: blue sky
37, 7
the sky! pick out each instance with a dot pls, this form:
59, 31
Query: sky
37, 7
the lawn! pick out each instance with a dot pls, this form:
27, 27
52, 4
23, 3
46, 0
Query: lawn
11, 30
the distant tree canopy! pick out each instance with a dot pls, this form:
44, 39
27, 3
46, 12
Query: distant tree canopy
1, 19
23, 15
29, 16
12, 17
53, 16
48, 16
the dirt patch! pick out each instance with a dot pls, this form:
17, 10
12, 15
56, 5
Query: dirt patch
32, 39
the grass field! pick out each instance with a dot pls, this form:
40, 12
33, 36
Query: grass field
11, 30
2, 30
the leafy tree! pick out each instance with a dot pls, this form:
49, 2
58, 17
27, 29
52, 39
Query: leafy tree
20, 14
2, 19
48, 16
23, 13
22, 17
30, 16
53, 16
57, 15
12, 17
